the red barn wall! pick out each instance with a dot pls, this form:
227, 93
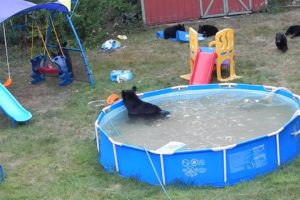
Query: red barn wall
171, 11
168, 11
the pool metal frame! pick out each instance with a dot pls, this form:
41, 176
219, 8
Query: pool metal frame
216, 167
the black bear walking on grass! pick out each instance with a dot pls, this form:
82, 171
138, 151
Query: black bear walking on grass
293, 30
281, 42
170, 32
136, 107
207, 30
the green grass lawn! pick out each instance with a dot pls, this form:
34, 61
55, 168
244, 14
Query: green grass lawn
55, 156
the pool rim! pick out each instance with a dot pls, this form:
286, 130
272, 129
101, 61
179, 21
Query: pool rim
222, 149
285, 92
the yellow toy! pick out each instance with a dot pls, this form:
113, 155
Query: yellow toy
193, 51
224, 50
224, 44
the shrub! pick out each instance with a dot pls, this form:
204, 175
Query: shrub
97, 20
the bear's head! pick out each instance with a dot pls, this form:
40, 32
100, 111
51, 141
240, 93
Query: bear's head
129, 94
181, 27
201, 30
62, 45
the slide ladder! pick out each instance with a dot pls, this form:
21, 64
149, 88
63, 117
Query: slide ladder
224, 44
193, 52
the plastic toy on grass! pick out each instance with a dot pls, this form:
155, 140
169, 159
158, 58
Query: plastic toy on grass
110, 45
203, 60
122, 37
121, 75
181, 36
112, 98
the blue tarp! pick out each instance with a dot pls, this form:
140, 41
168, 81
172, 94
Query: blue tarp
9, 8
181, 36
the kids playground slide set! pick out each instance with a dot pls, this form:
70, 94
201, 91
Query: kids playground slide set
11, 107
204, 60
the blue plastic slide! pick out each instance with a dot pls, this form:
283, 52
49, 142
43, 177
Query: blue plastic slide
11, 107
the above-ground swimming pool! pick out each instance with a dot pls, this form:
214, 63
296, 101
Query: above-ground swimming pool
217, 135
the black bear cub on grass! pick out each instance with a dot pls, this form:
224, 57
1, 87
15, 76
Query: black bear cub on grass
207, 30
170, 32
293, 30
281, 42
136, 107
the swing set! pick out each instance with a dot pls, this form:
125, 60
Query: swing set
60, 63
63, 69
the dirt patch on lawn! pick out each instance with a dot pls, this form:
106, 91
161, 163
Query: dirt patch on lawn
39, 98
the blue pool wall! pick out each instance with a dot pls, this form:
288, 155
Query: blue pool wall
216, 167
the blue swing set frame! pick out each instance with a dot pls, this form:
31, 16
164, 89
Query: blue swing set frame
23, 7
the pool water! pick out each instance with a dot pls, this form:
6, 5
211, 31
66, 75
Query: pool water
203, 119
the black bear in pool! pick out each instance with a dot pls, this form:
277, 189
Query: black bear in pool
170, 32
138, 108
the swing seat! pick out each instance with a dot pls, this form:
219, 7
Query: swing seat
48, 70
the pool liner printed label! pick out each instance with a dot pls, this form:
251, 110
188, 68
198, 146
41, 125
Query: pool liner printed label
247, 160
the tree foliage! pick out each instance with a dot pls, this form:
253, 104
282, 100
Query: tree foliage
97, 20
94, 20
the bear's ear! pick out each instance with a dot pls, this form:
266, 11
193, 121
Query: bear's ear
134, 88
123, 93
64, 44
53, 54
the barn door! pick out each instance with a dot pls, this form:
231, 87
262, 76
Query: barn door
235, 7
168, 11
212, 8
